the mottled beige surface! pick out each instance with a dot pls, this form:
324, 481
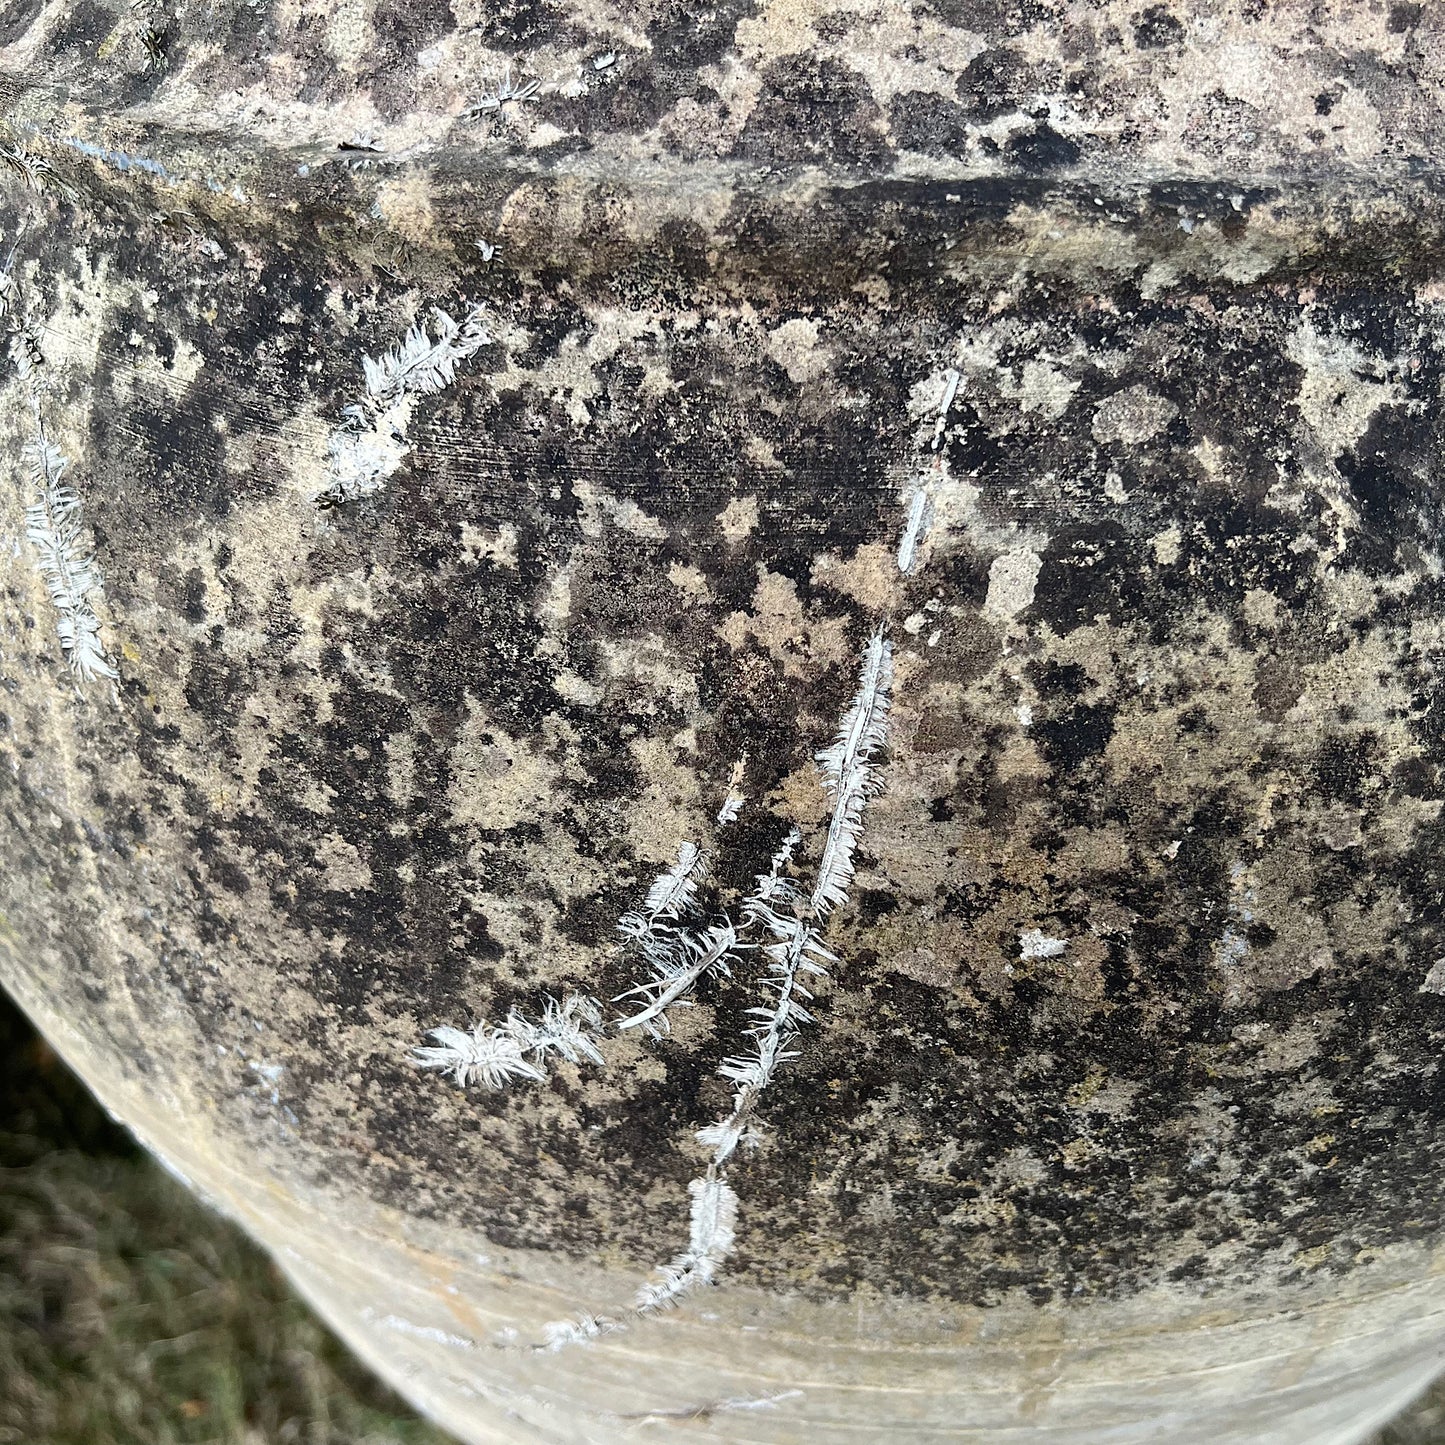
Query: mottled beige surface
1226, 90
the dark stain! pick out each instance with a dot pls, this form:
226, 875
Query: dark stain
994, 83
85, 25
695, 33
1041, 148
16, 19
688, 419
933, 124
813, 110
1156, 28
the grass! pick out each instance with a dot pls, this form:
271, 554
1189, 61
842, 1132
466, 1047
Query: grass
132, 1315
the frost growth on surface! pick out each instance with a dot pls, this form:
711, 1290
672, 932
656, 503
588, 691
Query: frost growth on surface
850, 775
371, 442
733, 804
676, 957
713, 1222
791, 917
518, 1048
676, 970
423, 366
55, 526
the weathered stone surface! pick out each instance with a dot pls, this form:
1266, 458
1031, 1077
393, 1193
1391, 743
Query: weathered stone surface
1126, 1053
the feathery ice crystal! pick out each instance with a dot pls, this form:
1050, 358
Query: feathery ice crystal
421, 365
676, 957
507, 92
519, 1048
677, 970
670, 895
37, 173
796, 953
371, 443
713, 1225
569, 1028
850, 775
915, 529
558, 1334
733, 803
492, 1055
55, 523
54, 517
712, 1230
792, 917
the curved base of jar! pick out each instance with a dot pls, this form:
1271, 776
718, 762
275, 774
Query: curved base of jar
456, 1325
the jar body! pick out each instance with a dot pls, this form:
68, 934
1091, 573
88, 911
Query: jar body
792, 791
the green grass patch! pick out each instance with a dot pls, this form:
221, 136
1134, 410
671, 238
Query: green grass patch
130, 1314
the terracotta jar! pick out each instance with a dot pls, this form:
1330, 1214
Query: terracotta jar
732, 712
